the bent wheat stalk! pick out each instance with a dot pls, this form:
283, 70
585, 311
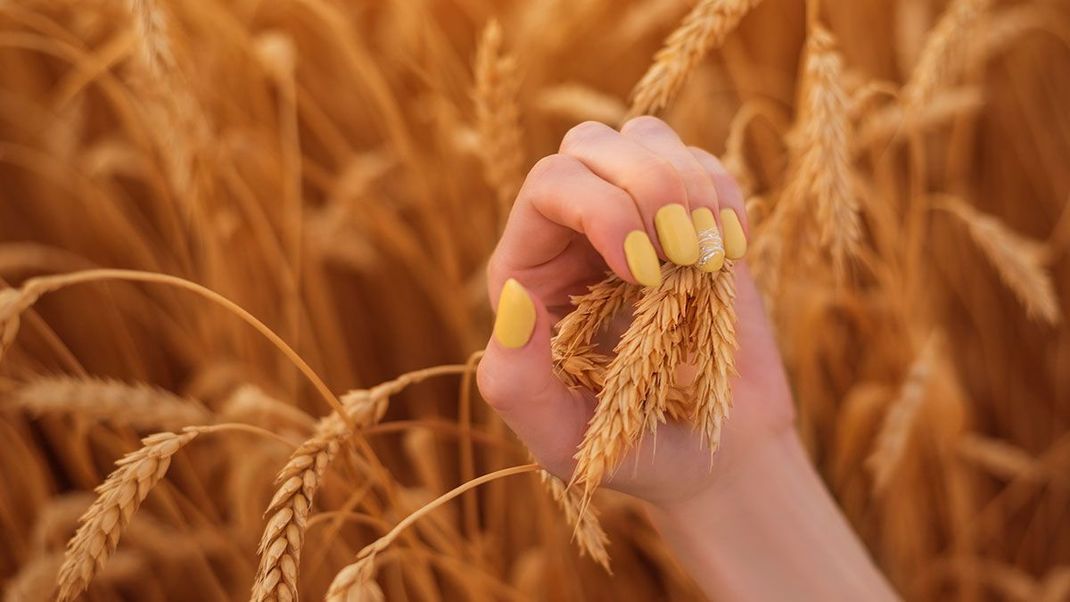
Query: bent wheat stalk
15, 301
354, 580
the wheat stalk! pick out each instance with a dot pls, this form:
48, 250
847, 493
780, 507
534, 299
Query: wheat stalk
140, 406
117, 500
498, 117
1018, 260
704, 28
578, 102
356, 579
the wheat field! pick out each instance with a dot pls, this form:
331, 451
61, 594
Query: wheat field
242, 293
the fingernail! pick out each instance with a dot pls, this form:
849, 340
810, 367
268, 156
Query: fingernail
516, 316
676, 234
711, 247
642, 258
735, 242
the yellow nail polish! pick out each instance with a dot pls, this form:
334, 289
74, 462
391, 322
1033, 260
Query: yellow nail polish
735, 242
642, 258
676, 234
516, 316
711, 246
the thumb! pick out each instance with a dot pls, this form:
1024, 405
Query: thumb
516, 378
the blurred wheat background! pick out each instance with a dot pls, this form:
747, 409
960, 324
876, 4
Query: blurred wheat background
340, 170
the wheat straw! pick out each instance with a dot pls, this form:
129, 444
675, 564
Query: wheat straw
354, 579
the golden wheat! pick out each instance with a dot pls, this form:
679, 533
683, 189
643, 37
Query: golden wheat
118, 498
143, 408
1018, 260
703, 29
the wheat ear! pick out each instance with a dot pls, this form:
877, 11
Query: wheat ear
820, 144
940, 60
1018, 260
637, 380
498, 117
704, 28
287, 514
139, 406
117, 500
588, 533
899, 420
713, 333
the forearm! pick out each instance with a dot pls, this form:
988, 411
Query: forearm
769, 530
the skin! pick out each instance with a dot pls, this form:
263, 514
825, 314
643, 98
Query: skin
756, 524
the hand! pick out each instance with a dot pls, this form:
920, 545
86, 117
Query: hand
623, 201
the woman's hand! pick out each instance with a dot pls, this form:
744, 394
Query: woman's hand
756, 525
623, 201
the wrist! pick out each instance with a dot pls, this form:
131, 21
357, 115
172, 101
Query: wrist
768, 529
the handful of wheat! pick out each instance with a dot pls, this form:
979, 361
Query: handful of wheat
688, 319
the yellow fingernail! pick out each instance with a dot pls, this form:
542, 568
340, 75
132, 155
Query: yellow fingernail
676, 234
735, 242
711, 247
642, 258
516, 316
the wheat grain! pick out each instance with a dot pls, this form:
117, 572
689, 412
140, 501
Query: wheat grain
139, 406
356, 583
117, 500
1018, 260
703, 29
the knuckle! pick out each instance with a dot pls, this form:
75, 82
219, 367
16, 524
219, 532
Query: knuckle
656, 176
581, 133
547, 166
644, 124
